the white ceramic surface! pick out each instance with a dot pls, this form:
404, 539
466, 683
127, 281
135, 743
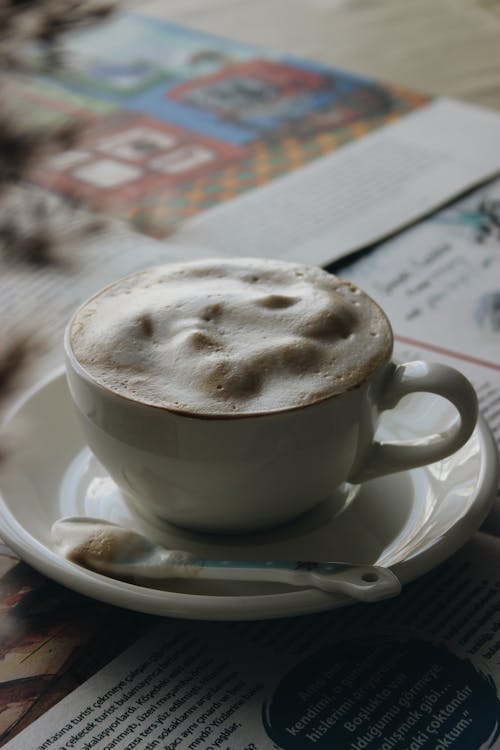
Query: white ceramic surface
409, 521
248, 472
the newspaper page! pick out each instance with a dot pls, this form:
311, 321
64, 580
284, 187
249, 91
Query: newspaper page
417, 671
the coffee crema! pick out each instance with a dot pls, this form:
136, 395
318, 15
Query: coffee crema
230, 336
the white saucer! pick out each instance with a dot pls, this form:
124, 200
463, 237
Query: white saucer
410, 521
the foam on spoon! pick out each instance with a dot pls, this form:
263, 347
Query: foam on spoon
231, 336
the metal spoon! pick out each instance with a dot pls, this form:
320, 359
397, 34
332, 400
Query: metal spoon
119, 552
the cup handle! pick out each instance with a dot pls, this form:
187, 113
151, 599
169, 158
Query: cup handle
412, 377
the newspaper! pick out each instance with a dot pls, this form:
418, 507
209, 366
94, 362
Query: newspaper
418, 671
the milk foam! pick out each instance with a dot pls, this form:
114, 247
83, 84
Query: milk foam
230, 336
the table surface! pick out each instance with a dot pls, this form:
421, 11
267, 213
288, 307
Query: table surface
446, 47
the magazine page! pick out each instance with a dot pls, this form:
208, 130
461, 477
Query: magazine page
176, 121
304, 161
360, 194
440, 286
417, 671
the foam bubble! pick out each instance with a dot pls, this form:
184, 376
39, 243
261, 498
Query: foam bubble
240, 336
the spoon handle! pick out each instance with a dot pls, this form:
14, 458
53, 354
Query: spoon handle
363, 582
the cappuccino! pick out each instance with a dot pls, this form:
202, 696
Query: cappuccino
238, 336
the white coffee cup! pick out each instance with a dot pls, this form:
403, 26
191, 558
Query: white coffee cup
244, 472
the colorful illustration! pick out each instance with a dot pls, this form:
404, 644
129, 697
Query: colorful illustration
177, 121
124, 158
52, 641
